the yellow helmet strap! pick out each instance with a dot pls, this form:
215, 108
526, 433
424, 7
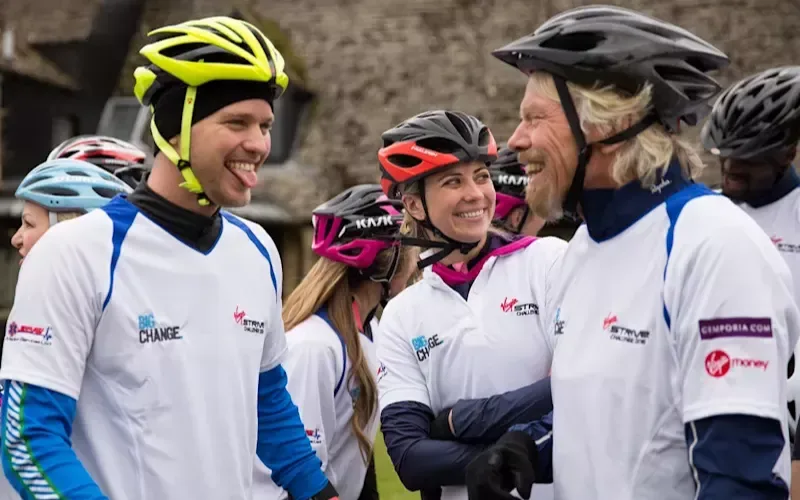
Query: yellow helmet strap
182, 159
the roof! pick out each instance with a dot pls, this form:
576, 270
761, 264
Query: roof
42, 22
29, 63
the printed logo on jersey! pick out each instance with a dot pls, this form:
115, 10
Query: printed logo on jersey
558, 323
783, 246
423, 346
381, 372
735, 327
624, 334
152, 331
249, 325
17, 332
718, 363
660, 186
314, 435
519, 309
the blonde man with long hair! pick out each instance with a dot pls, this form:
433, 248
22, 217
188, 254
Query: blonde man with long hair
672, 313
471, 327
329, 320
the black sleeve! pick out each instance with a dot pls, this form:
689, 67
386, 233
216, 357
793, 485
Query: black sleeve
485, 420
370, 489
733, 456
422, 462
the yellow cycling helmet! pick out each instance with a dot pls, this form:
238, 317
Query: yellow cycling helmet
197, 52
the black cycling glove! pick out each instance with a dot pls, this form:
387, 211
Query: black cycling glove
507, 465
327, 493
440, 426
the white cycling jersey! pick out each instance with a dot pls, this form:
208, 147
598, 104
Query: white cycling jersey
686, 314
160, 344
781, 221
318, 370
437, 348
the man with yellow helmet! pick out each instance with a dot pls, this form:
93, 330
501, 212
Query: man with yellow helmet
142, 357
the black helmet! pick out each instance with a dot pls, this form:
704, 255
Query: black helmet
425, 144
757, 117
430, 142
624, 48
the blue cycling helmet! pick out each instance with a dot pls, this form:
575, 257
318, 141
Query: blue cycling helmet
66, 185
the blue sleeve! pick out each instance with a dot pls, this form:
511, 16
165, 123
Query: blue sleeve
733, 456
282, 442
422, 462
485, 420
38, 459
542, 432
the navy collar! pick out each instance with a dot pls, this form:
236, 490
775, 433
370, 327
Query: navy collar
785, 185
608, 212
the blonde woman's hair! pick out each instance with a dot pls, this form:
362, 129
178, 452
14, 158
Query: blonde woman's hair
610, 112
62, 216
334, 284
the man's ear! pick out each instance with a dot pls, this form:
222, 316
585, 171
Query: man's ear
413, 205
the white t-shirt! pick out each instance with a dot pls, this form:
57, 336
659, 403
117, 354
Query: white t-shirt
437, 348
686, 314
318, 371
160, 344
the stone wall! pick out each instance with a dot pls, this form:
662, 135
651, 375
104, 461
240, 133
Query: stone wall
376, 62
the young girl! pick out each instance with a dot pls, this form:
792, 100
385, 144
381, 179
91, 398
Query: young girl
471, 328
331, 365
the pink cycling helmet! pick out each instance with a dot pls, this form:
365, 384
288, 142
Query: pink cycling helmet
356, 225
510, 181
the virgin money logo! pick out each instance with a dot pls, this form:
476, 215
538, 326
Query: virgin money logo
718, 363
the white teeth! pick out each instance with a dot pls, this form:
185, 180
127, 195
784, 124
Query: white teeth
239, 165
534, 168
470, 215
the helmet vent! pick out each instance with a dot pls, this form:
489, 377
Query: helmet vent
57, 191
439, 144
404, 161
574, 42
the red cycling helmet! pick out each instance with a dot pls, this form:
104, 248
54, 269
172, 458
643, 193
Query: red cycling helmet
431, 142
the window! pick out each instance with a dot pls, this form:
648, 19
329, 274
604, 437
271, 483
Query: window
290, 113
126, 119
64, 127
119, 117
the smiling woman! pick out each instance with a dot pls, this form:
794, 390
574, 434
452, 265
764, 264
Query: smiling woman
459, 345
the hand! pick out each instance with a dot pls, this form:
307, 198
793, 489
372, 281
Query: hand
442, 426
507, 465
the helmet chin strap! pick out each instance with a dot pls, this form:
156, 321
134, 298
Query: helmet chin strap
449, 244
575, 191
181, 160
